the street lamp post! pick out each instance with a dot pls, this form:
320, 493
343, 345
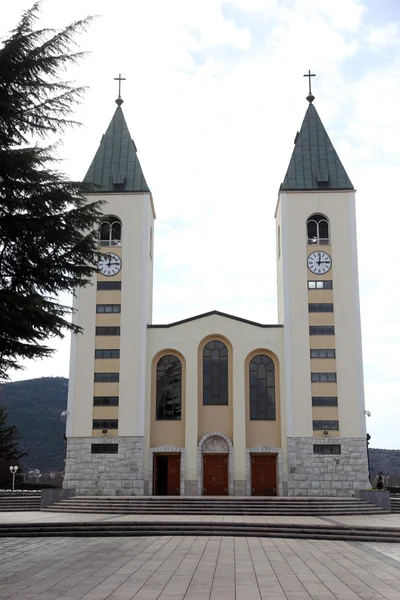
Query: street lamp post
13, 470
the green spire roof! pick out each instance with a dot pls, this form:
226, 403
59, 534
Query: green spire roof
314, 164
116, 167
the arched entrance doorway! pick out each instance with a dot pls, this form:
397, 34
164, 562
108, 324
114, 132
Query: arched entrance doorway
216, 468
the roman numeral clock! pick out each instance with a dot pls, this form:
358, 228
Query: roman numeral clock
109, 264
319, 263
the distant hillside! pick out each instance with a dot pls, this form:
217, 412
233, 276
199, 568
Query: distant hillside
35, 407
387, 461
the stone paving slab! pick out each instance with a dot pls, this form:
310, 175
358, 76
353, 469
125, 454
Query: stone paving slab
385, 520
196, 568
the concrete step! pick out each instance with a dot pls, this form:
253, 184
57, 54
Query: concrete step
174, 500
19, 503
214, 506
136, 529
395, 505
232, 512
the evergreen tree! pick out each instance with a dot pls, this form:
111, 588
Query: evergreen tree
9, 439
47, 229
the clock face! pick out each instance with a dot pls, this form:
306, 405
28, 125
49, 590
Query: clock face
109, 264
319, 262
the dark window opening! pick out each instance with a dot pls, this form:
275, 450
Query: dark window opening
324, 401
323, 377
321, 307
105, 424
318, 229
105, 401
323, 353
262, 388
327, 449
108, 330
325, 425
110, 232
108, 308
169, 389
322, 330
109, 285
104, 448
106, 377
112, 353
215, 374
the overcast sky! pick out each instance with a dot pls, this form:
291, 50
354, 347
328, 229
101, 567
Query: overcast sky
213, 98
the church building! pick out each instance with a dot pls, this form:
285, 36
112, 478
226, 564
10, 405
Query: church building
216, 404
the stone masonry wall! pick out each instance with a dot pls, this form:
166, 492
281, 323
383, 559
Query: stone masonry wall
312, 474
105, 474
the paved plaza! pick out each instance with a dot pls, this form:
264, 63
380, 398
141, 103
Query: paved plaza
196, 568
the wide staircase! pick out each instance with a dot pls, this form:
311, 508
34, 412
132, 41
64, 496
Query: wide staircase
19, 501
201, 505
246, 518
395, 504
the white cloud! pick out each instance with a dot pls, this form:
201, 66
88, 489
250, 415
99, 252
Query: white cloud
379, 38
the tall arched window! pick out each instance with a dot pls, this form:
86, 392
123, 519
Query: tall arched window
169, 389
262, 388
318, 230
215, 373
110, 232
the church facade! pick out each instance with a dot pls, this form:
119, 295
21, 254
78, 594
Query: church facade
216, 404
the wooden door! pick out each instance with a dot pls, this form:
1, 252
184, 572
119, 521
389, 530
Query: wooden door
174, 475
263, 474
215, 474
167, 474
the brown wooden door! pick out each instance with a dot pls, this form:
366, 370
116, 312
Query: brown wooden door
167, 474
263, 475
215, 475
174, 475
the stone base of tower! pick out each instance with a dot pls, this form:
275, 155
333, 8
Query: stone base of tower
311, 474
117, 474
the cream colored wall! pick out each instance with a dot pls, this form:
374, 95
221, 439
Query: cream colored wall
320, 296
279, 258
108, 296
186, 339
137, 215
322, 319
325, 413
318, 342
105, 389
105, 412
110, 342
323, 365
80, 388
293, 210
110, 433
106, 365
108, 319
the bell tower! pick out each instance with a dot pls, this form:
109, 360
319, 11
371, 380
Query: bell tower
318, 303
106, 398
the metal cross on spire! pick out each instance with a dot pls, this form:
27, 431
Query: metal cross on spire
119, 100
310, 97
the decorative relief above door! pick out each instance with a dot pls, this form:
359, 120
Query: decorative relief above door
215, 445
